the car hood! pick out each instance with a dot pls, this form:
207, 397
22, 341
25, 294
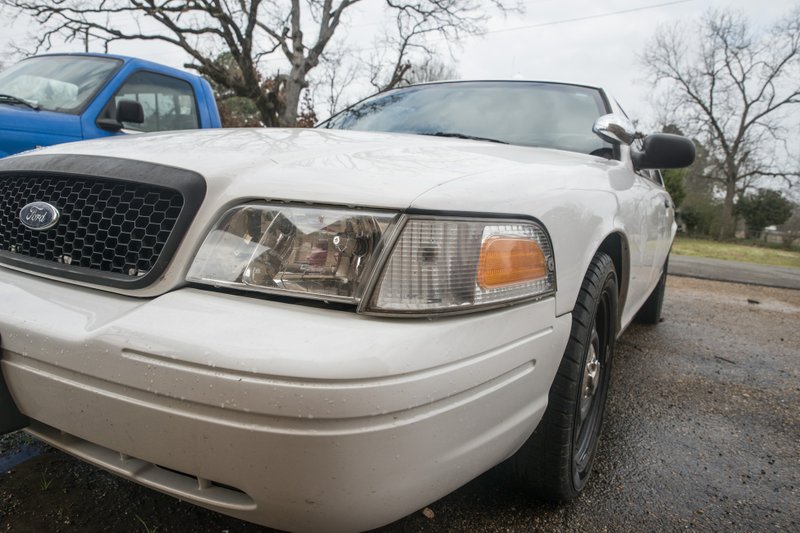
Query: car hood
368, 169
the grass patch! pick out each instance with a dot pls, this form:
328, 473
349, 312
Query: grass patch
763, 255
144, 525
45, 483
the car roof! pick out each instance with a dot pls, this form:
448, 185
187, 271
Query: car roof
500, 80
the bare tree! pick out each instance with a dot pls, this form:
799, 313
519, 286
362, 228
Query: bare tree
203, 28
247, 32
414, 21
385, 75
732, 91
431, 70
407, 52
337, 76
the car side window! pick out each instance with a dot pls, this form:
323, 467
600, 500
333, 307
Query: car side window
168, 103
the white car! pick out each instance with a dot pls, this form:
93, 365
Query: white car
328, 329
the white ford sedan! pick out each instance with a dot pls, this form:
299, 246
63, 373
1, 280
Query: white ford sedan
328, 329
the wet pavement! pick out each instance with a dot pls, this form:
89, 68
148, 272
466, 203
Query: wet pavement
701, 433
734, 271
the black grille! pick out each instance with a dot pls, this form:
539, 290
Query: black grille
117, 227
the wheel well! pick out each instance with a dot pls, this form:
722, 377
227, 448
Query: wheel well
616, 246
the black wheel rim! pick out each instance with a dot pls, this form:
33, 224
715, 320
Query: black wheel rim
592, 391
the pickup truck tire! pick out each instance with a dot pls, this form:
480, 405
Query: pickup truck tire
555, 462
650, 313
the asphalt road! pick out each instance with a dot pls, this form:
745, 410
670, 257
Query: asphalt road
735, 271
701, 434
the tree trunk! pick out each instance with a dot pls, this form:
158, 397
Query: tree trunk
727, 228
291, 100
295, 83
266, 109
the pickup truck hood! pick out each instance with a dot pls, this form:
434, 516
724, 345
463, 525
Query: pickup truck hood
332, 166
22, 119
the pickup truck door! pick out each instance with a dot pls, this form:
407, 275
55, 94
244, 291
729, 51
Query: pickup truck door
168, 103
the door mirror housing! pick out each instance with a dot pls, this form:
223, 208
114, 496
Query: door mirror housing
615, 129
664, 150
130, 111
127, 111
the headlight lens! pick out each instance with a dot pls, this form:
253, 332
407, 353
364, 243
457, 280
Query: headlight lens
436, 264
450, 265
312, 252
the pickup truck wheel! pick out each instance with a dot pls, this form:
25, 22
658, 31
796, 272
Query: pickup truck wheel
557, 459
650, 313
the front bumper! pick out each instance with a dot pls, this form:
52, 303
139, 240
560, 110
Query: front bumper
286, 415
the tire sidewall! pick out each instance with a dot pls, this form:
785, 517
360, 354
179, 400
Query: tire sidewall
608, 288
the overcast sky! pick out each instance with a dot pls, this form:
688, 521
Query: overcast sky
583, 41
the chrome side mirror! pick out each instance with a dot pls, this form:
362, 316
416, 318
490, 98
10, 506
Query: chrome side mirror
615, 129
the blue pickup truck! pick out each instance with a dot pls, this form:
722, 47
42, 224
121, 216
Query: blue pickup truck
59, 98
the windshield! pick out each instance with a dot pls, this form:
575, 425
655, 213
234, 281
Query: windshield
524, 113
57, 83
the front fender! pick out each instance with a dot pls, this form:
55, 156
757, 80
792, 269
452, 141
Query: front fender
577, 198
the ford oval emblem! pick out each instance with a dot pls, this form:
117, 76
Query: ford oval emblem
39, 215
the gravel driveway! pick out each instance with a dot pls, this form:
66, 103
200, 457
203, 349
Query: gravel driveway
701, 433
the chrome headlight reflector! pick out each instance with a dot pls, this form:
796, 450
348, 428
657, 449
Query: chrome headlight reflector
301, 251
434, 265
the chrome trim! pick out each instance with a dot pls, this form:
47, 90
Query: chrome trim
35, 215
615, 129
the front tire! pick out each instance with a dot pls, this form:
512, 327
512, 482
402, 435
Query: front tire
557, 459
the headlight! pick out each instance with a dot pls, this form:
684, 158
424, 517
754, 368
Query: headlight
436, 264
302, 251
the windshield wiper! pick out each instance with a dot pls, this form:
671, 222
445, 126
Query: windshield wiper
9, 99
462, 136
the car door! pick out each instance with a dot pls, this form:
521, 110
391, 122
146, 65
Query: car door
654, 231
664, 223
646, 213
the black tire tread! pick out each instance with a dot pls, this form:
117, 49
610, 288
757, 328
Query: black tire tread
650, 312
543, 464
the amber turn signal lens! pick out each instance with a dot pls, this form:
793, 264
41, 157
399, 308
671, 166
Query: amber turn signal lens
508, 260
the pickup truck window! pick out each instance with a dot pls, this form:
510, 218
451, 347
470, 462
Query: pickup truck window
168, 103
549, 115
57, 83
